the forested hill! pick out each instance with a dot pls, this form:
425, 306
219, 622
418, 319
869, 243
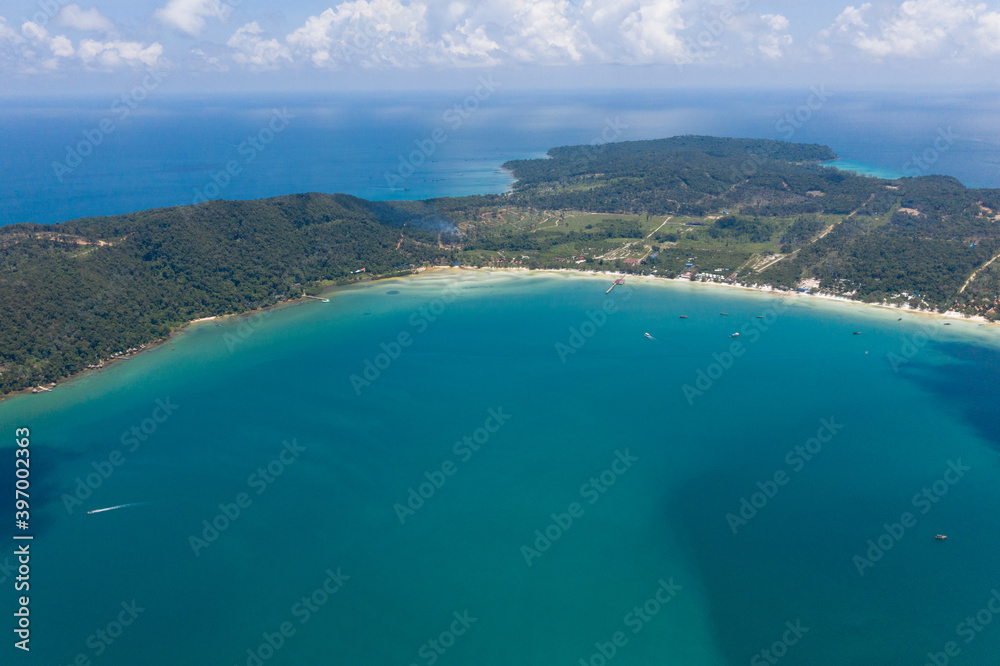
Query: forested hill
77, 293
686, 174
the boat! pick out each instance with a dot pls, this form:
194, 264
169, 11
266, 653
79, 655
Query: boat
724, 314
650, 336
857, 332
735, 335
941, 537
684, 316
760, 316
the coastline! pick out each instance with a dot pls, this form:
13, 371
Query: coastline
950, 315
332, 289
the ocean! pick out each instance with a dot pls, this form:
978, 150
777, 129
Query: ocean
494, 468
475, 467
95, 156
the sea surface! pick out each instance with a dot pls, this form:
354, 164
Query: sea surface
64, 159
467, 467
470, 467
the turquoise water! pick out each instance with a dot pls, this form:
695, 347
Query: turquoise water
867, 169
472, 342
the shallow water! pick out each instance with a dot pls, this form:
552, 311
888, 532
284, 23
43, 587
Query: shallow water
242, 392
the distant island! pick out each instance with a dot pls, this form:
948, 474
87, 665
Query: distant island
757, 213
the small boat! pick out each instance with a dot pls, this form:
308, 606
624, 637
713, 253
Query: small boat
947, 323
684, 316
941, 537
735, 335
650, 336
760, 316
857, 332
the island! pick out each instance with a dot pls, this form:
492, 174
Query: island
754, 213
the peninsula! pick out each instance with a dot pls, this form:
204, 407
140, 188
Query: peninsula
757, 213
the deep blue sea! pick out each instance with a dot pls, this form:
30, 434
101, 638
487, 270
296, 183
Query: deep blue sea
469, 467
62, 159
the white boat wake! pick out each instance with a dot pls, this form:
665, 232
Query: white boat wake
120, 506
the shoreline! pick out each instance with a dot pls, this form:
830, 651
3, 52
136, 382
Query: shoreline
950, 315
330, 289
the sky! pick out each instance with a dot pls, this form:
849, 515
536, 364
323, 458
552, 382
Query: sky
55, 47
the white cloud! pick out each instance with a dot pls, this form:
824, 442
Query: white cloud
255, 51
117, 53
646, 33
773, 45
34, 32
7, 32
917, 29
61, 47
90, 20
470, 44
189, 15
375, 33
851, 19
775, 22
390, 34
988, 32
546, 31
208, 63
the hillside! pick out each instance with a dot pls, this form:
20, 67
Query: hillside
76, 294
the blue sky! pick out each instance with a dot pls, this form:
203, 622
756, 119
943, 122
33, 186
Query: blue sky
58, 46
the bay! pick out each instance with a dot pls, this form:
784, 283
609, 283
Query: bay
577, 386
